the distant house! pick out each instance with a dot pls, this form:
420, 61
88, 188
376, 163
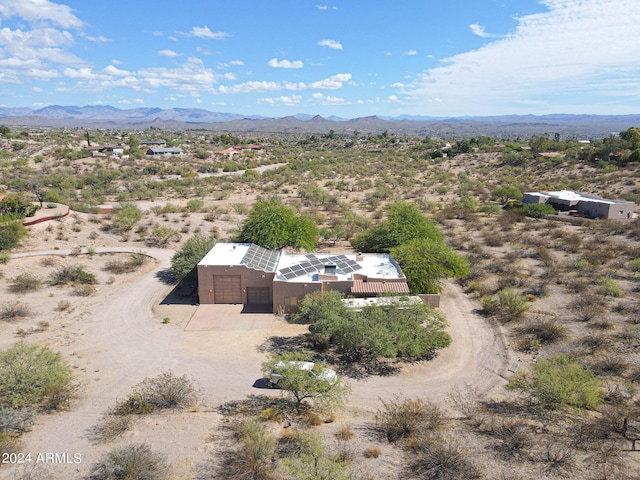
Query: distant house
583, 204
244, 273
164, 151
153, 143
113, 149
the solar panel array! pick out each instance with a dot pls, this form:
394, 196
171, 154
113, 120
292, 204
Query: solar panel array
261, 258
313, 265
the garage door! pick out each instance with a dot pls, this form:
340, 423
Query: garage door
259, 295
227, 288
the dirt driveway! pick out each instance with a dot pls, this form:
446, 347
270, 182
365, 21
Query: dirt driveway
121, 341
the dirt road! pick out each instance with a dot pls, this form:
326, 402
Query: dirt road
120, 342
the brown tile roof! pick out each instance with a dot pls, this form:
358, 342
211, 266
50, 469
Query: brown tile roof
379, 287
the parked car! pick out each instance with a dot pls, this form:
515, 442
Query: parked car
280, 369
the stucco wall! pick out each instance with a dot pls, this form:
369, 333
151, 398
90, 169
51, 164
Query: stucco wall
249, 278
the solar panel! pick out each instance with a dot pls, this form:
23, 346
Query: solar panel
261, 258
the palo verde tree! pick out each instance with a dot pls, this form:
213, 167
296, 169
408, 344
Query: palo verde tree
426, 262
271, 224
184, 261
405, 222
300, 384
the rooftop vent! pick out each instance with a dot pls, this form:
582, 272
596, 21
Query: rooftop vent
330, 269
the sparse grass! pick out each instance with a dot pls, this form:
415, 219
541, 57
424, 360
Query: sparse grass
403, 417
131, 264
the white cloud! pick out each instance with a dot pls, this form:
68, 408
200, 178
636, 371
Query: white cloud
287, 101
478, 30
135, 101
581, 56
331, 83
111, 70
330, 44
326, 7
168, 53
205, 32
275, 63
410, 53
236, 62
322, 99
39, 10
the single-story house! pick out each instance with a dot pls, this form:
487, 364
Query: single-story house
164, 151
244, 273
583, 204
152, 143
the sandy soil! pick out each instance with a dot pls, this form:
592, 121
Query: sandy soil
115, 339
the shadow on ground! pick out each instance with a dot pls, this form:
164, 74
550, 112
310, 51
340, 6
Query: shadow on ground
184, 293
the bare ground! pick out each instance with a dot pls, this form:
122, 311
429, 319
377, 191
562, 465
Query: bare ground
116, 340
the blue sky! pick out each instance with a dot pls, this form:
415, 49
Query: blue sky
344, 58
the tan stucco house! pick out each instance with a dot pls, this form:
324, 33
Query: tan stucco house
244, 273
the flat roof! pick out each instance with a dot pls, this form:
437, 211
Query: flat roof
226, 254
570, 195
303, 267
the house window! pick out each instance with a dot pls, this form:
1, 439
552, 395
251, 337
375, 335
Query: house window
290, 301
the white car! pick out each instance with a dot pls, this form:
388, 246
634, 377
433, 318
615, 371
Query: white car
279, 371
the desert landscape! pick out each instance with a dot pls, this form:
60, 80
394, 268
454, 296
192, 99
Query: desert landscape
538, 289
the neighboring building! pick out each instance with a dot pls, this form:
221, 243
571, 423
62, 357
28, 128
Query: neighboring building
164, 151
152, 143
587, 205
249, 274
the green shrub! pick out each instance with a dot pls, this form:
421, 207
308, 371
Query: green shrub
538, 210
16, 420
33, 376
253, 459
607, 287
125, 217
194, 205
560, 381
634, 265
11, 234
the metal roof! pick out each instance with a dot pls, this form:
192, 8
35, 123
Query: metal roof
379, 287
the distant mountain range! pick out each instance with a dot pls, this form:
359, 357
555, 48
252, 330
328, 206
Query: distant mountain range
505, 126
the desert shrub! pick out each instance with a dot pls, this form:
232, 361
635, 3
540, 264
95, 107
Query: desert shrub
634, 265
136, 461
545, 331
109, 428
510, 305
311, 460
253, 459
33, 376
25, 282
17, 420
161, 236
131, 264
588, 306
443, 459
538, 210
163, 391
13, 310
514, 438
401, 418
11, 234
631, 335
607, 287
63, 305
4, 257
84, 290
559, 460
68, 274
125, 217
371, 452
194, 205
560, 381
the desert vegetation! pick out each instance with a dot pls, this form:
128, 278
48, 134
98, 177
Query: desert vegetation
564, 294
